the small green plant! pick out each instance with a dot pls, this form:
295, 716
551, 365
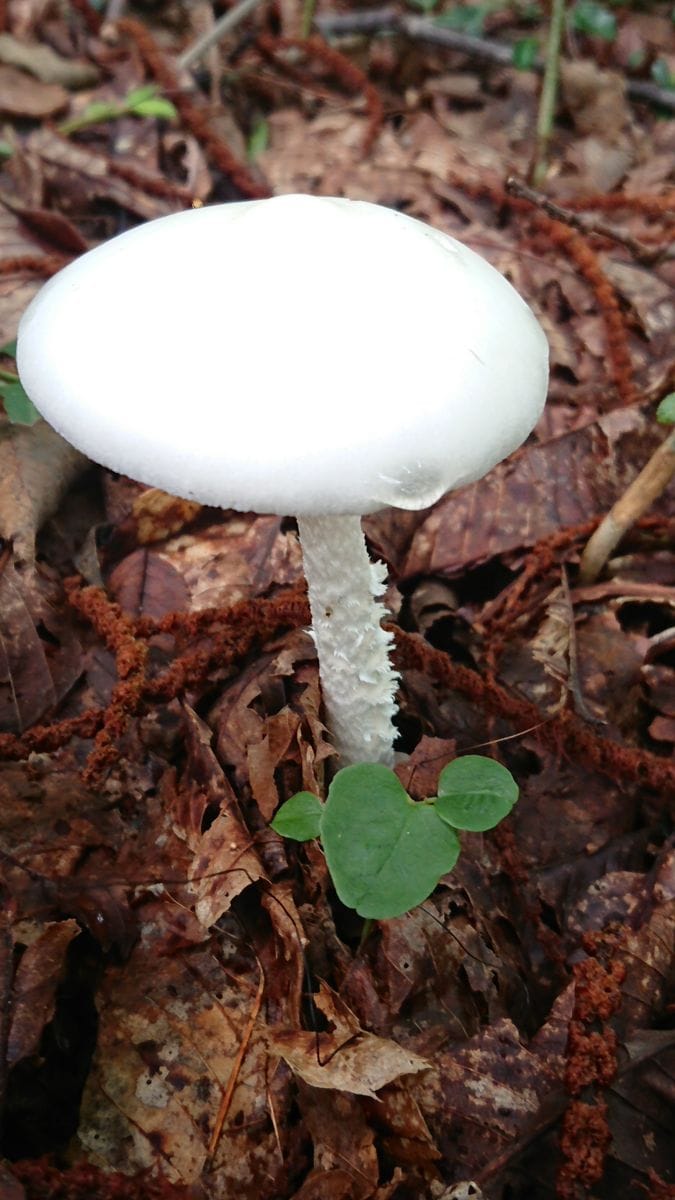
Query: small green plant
259, 138
662, 74
468, 18
525, 53
19, 409
386, 852
594, 19
665, 413
141, 102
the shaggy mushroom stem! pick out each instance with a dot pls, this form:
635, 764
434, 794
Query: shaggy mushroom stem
357, 678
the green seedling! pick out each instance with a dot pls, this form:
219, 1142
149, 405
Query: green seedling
386, 852
468, 18
141, 102
259, 139
665, 413
525, 53
593, 19
19, 409
662, 74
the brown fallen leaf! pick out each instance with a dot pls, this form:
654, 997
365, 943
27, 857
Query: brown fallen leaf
71, 170
45, 64
536, 492
52, 229
37, 977
36, 469
347, 1060
159, 515
145, 584
225, 861
168, 1040
343, 1142
21, 96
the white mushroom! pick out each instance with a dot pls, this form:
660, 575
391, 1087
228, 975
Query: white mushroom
309, 356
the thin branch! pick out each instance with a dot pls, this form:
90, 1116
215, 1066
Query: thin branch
218, 30
388, 20
584, 222
549, 93
636, 500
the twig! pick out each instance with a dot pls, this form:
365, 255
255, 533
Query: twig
308, 14
114, 11
549, 93
236, 1067
584, 222
387, 20
636, 500
218, 30
422, 30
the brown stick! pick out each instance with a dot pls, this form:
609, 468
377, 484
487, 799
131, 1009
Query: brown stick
636, 500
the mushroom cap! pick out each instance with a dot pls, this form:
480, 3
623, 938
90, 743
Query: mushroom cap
304, 355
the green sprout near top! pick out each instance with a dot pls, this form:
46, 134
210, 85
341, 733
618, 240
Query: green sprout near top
18, 408
385, 852
141, 102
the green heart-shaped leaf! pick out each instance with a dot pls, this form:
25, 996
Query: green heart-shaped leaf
475, 793
385, 853
299, 818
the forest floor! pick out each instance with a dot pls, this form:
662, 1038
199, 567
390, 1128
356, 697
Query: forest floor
185, 1007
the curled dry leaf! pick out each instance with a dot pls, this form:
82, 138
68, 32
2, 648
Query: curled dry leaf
70, 169
348, 1059
343, 1141
45, 64
36, 469
225, 861
21, 96
36, 979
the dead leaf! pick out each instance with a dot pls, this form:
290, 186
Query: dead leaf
168, 1040
21, 96
159, 516
343, 1141
45, 64
37, 977
595, 99
36, 469
348, 1060
513, 506
145, 584
76, 170
224, 858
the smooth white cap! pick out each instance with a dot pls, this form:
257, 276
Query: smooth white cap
297, 355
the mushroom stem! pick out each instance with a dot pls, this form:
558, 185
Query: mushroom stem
357, 677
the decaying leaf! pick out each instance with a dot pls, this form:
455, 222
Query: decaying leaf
36, 468
34, 987
347, 1060
45, 64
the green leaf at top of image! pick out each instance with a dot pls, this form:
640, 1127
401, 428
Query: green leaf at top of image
299, 818
384, 852
466, 18
594, 19
665, 413
475, 793
425, 6
9, 348
662, 74
154, 106
525, 54
258, 139
147, 91
20, 410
